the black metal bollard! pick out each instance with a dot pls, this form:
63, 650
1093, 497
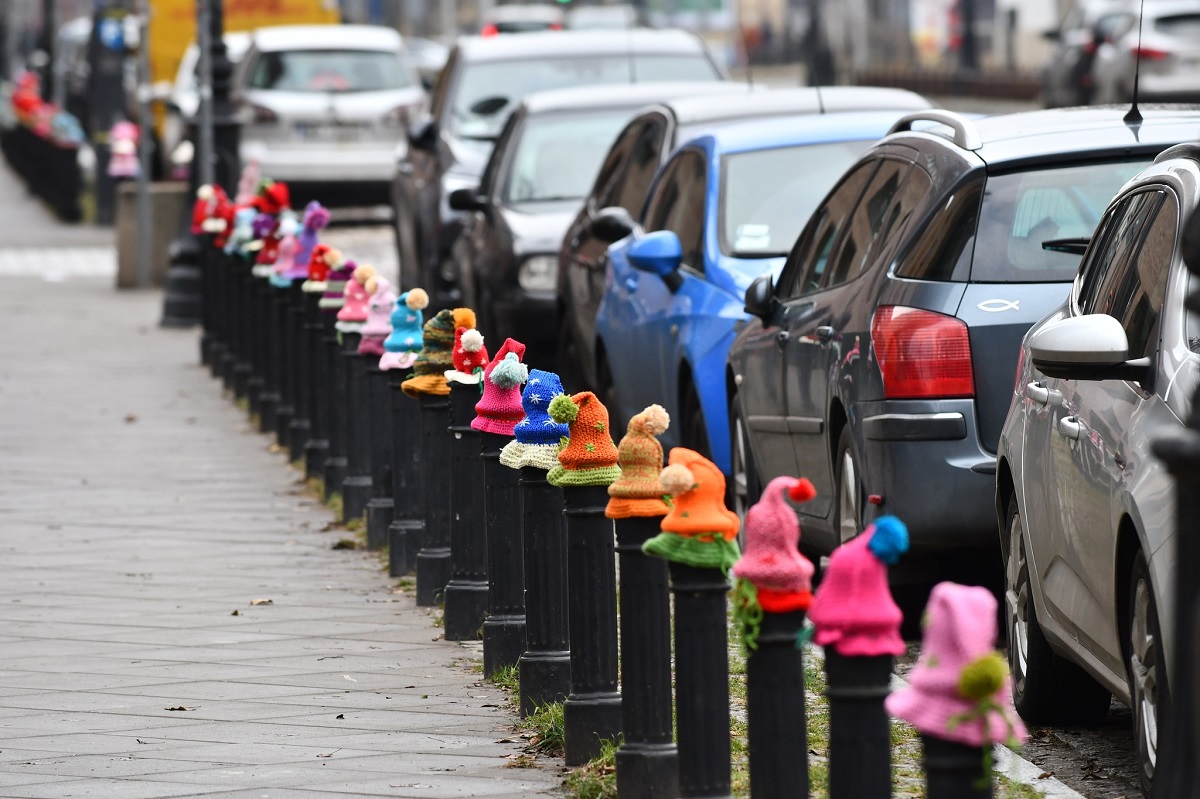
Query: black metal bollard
379, 433
504, 628
316, 449
280, 369
208, 301
778, 738
262, 386
335, 465
356, 487
467, 591
953, 770
860, 744
301, 424
701, 680
230, 266
433, 559
545, 667
648, 760
243, 367
592, 711
407, 529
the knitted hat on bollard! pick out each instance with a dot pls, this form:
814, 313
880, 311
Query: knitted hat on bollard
318, 270
341, 270
436, 357
772, 575
699, 531
401, 347
499, 409
353, 314
960, 688
853, 609
285, 262
590, 456
470, 357
316, 217
537, 435
637, 492
379, 312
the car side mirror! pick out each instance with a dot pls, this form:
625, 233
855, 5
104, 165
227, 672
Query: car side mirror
612, 224
659, 253
468, 199
1089, 347
422, 134
760, 297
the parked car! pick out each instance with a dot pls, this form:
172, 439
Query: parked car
183, 102
724, 209
1067, 77
880, 364
485, 79
540, 169
623, 180
520, 18
323, 107
615, 17
428, 57
1168, 47
1085, 507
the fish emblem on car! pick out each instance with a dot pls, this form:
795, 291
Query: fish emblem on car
996, 306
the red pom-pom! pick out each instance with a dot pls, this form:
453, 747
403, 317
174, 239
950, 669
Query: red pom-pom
802, 491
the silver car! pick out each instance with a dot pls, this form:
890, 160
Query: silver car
1086, 510
1169, 49
324, 107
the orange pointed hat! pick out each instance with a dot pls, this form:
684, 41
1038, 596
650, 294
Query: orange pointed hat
590, 456
699, 531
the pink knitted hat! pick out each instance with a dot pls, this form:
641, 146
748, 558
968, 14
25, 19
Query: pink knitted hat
499, 409
470, 357
772, 559
357, 297
379, 316
960, 689
853, 609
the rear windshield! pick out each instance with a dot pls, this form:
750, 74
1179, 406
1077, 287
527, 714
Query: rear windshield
503, 84
1023, 210
329, 71
1182, 25
559, 155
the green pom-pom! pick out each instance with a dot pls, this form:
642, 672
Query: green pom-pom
982, 677
563, 409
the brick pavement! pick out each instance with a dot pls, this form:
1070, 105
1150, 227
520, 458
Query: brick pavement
138, 511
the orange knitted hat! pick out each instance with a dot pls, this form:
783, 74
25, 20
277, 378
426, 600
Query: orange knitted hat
590, 457
638, 492
699, 531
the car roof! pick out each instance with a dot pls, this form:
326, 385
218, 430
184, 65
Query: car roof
765, 134
574, 43
807, 100
624, 95
524, 13
326, 37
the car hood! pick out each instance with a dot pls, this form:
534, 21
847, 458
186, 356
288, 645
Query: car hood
539, 227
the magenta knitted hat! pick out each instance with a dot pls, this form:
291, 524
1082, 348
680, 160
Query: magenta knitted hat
499, 409
772, 559
960, 689
353, 313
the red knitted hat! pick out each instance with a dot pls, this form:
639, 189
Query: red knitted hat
318, 266
469, 354
499, 409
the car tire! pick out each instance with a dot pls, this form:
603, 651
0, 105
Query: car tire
745, 487
693, 432
848, 492
1145, 668
1047, 689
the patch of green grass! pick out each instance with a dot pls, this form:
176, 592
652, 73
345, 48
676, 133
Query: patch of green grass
255, 420
409, 584
439, 619
1007, 789
597, 779
243, 403
546, 724
508, 678
334, 503
298, 464
315, 486
358, 525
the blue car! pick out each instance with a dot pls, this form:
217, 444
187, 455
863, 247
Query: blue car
724, 209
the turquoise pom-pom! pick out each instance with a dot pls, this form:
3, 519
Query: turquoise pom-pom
510, 372
890, 539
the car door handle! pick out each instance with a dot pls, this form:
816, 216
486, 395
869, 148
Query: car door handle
1038, 393
782, 338
1070, 427
824, 333
630, 283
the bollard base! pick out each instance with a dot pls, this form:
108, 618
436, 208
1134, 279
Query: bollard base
433, 573
298, 432
954, 770
284, 414
334, 472
647, 771
245, 385
545, 677
268, 412
404, 539
379, 517
503, 642
356, 493
589, 719
465, 610
316, 452
226, 366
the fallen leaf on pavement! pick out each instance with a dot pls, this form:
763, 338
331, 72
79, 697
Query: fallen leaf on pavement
180, 707
235, 613
340, 716
329, 754
130, 418
254, 602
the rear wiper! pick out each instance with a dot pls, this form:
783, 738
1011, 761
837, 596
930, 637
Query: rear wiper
1074, 246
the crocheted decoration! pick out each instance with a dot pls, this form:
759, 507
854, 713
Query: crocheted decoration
379, 312
243, 220
772, 576
340, 271
353, 313
699, 530
435, 357
470, 357
318, 270
590, 457
638, 492
316, 218
402, 346
537, 435
272, 197
499, 409
853, 609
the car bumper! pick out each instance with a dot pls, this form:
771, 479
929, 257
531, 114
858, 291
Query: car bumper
360, 163
924, 461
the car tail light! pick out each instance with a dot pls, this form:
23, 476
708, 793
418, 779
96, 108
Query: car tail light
922, 354
1090, 46
1149, 53
554, 26
489, 30
261, 115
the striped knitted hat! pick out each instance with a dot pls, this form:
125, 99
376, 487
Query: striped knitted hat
638, 492
436, 358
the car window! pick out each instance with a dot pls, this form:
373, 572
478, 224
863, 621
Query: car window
608, 177
1105, 261
866, 223
329, 71
912, 196
1137, 301
644, 158
806, 265
490, 181
943, 250
557, 155
676, 203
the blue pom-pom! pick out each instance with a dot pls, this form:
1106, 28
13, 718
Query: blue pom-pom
890, 539
510, 372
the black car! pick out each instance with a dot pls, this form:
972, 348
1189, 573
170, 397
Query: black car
543, 164
881, 364
483, 80
610, 210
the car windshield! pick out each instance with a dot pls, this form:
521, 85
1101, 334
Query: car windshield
559, 155
767, 196
505, 83
1023, 211
329, 71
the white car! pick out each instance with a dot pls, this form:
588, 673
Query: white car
183, 102
324, 106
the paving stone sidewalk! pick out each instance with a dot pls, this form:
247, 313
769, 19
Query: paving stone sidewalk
138, 512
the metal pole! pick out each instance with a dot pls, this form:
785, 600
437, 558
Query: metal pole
433, 559
203, 159
778, 740
860, 744
408, 516
381, 506
954, 770
356, 488
467, 591
146, 153
504, 627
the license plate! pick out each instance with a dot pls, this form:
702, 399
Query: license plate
325, 131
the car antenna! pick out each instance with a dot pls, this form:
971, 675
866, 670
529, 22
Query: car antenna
814, 76
1134, 117
745, 48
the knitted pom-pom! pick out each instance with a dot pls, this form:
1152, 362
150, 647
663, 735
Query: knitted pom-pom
334, 258
510, 372
464, 317
416, 299
677, 479
316, 216
363, 273
371, 284
205, 192
890, 539
982, 677
653, 420
563, 409
802, 491
471, 340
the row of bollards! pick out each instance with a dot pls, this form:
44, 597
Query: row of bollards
512, 504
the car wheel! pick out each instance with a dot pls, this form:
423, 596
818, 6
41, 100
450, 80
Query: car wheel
1146, 669
848, 487
694, 433
1047, 689
745, 487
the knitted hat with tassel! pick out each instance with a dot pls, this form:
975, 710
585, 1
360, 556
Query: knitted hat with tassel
436, 356
699, 531
537, 435
638, 492
353, 313
470, 357
404, 342
499, 409
590, 456
379, 315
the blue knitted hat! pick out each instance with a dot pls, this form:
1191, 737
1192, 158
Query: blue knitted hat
537, 427
407, 321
